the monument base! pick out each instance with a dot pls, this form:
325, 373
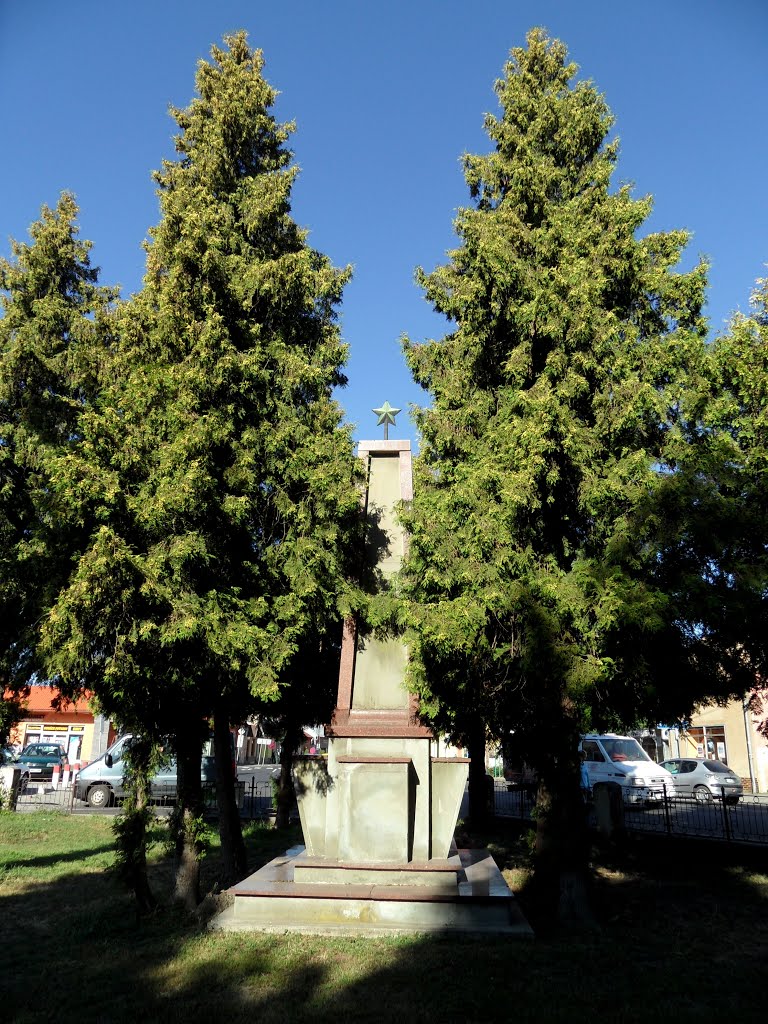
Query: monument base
354, 903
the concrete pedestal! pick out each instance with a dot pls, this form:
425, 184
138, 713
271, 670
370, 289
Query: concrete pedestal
463, 894
379, 814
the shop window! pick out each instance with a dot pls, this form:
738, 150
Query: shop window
709, 741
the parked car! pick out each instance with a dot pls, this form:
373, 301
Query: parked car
613, 760
102, 782
704, 779
37, 760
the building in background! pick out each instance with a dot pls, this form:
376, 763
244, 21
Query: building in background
728, 733
83, 735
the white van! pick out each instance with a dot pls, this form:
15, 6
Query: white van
620, 760
102, 781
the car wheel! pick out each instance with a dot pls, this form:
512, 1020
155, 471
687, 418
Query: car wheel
733, 800
23, 783
99, 796
703, 795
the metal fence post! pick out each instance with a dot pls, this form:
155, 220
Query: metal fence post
726, 819
667, 815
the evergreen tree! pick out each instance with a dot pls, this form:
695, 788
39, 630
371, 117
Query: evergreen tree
52, 347
310, 697
548, 592
737, 420
226, 481
12, 709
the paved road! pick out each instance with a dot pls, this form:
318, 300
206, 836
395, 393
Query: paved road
259, 772
745, 822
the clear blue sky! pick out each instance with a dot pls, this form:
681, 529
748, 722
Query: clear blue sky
386, 96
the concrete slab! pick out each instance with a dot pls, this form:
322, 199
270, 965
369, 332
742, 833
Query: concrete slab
437, 874
271, 900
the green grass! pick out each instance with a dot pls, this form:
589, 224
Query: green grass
683, 938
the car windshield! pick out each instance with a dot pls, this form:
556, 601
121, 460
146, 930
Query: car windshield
624, 750
718, 767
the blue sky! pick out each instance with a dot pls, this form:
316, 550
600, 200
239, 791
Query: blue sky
386, 96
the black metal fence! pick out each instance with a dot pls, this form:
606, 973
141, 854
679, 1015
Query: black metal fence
514, 801
743, 822
254, 798
39, 796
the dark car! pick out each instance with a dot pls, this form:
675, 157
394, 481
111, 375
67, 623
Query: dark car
37, 760
704, 778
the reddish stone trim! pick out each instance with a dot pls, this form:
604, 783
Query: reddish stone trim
412, 732
377, 723
346, 721
413, 709
351, 891
438, 866
347, 666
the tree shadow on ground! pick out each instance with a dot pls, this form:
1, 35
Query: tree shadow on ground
67, 856
683, 938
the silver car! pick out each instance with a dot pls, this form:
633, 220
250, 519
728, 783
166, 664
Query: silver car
704, 779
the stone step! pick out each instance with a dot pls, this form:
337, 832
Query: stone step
271, 900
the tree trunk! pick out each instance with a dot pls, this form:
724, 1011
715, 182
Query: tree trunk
285, 794
233, 856
187, 819
561, 871
130, 829
479, 793
145, 899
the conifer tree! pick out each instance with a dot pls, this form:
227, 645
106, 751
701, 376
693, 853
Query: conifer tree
225, 478
737, 421
739, 408
52, 349
545, 596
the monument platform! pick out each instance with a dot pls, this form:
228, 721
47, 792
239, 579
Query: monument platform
378, 814
467, 894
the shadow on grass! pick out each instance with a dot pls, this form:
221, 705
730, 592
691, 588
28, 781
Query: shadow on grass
683, 938
66, 856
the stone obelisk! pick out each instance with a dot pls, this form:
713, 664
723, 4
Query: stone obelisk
385, 800
378, 814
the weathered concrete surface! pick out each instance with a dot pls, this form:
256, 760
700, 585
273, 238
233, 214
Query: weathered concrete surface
273, 900
378, 814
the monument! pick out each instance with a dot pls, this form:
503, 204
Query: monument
378, 815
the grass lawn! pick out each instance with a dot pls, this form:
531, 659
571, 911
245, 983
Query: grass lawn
684, 938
